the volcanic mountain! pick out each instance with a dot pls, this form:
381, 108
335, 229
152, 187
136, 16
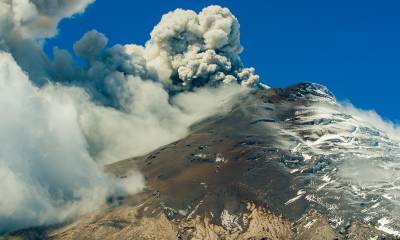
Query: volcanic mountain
286, 163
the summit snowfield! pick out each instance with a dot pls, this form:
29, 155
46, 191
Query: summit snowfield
354, 156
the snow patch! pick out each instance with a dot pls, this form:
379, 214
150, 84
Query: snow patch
220, 159
300, 193
310, 223
230, 221
382, 226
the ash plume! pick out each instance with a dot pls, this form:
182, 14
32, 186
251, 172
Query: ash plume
189, 49
62, 120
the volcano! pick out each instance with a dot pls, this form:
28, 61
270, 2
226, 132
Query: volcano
287, 163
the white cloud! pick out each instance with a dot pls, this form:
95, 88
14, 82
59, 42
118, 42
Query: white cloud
37, 18
44, 164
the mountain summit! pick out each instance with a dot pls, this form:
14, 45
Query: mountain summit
287, 163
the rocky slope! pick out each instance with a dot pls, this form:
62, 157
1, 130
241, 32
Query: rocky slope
272, 168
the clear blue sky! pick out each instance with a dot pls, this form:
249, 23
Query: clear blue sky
353, 47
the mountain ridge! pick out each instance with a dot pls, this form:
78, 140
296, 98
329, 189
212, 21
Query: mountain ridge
255, 172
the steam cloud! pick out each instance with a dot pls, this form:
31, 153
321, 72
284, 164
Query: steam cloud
42, 154
62, 121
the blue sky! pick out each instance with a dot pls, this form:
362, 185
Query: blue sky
353, 47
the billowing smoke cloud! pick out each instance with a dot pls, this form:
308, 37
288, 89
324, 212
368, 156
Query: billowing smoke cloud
196, 49
44, 164
36, 18
24, 24
140, 83
186, 51
62, 120
150, 120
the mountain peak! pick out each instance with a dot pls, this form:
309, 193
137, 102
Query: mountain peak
273, 166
